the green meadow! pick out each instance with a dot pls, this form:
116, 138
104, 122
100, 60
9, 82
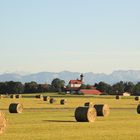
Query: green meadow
43, 121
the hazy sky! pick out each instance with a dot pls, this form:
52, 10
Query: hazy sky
74, 35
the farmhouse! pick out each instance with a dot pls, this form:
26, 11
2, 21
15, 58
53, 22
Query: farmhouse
76, 83
74, 87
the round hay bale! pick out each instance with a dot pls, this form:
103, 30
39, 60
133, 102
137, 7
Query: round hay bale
46, 98
15, 108
52, 100
85, 114
63, 101
102, 109
2, 122
137, 98
89, 104
13, 96
39, 96
18, 96
138, 109
118, 97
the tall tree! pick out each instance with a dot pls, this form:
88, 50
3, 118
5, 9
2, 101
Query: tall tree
129, 87
104, 87
31, 87
57, 85
118, 88
137, 89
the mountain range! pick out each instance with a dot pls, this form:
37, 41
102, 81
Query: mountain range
89, 77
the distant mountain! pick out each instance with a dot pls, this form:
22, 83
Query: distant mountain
89, 78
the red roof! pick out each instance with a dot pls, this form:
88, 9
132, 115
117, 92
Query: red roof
90, 91
75, 82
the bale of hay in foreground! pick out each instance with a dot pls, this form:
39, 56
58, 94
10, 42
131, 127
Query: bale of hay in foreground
2, 122
46, 98
137, 98
138, 109
15, 108
13, 96
52, 100
63, 101
89, 104
102, 109
39, 96
118, 97
18, 96
85, 114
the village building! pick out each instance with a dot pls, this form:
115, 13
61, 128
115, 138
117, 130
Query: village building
126, 94
90, 92
74, 87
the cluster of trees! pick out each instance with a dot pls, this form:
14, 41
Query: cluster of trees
12, 87
58, 85
119, 88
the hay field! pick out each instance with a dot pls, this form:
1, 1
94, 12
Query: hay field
43, 121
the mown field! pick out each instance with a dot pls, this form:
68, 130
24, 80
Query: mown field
43, 121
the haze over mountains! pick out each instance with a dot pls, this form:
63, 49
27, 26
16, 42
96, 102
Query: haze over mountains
89, 77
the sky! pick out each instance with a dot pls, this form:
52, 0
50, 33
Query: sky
75, 35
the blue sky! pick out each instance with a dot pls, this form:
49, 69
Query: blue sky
74, 35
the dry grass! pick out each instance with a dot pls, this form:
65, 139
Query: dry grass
3, 122
42, 120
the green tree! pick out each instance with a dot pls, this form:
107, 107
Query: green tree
3, 87
12, 87
31, 87
104, 87
129, 87
137, 89
57, 85
43, 88
19, 88
118, 88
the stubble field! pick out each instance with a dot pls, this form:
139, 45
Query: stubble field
43, 121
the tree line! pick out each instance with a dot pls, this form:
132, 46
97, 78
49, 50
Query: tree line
12, 87
119, 88
58, 85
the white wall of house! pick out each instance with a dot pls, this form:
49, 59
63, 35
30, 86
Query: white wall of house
75, 85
